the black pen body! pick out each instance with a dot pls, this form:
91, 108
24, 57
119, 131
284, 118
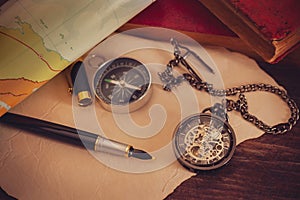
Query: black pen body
75, 136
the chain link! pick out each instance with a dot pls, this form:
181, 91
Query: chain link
241, 105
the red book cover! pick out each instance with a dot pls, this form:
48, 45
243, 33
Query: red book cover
187, 15
270, 27
191, 18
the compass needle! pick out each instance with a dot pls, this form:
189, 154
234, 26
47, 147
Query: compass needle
108, 80
124, 79
132, 87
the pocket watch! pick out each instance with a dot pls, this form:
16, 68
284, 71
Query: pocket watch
122, 85
203, 142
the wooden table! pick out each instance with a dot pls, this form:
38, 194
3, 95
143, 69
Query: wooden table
263, 168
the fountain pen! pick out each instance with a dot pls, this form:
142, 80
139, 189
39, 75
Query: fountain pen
75, 136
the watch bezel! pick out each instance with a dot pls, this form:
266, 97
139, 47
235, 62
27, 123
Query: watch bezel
193, 167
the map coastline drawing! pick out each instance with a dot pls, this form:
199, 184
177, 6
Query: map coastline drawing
36, 44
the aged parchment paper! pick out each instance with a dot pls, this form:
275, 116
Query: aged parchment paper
36, 167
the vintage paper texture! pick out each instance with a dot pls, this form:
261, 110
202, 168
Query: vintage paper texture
36, 167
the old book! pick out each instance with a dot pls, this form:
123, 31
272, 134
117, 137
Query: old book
191, 18
271, 28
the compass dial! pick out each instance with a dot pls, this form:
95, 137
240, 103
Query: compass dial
122, 82
204, 142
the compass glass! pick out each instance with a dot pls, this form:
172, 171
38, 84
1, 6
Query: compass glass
122, 81
204, 142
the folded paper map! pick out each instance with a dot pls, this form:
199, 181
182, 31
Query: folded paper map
40, 39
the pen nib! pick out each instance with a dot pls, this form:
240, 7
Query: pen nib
140, 154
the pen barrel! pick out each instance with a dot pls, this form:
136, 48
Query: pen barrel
112, 147
81, 87
75, 136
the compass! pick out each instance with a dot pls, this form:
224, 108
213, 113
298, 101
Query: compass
122, 84
203, 142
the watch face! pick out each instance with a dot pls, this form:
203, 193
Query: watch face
204, 142
122, 81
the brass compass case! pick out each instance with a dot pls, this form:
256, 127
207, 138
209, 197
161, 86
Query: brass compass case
122, 85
